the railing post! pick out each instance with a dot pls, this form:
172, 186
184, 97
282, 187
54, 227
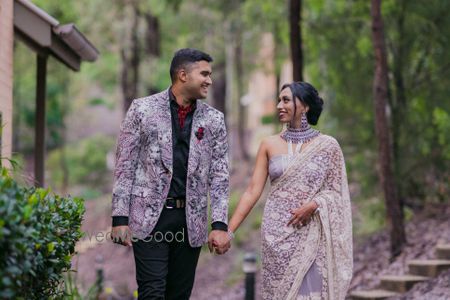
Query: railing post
249, 267
99, 270
39, 142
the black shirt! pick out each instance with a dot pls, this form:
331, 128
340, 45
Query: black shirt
181, 137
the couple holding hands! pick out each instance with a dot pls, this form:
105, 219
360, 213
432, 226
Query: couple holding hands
172, 151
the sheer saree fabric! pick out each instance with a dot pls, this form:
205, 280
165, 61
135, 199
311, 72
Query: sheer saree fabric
315, 261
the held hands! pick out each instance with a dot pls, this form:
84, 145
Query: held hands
219, 241
302, 215
121, 235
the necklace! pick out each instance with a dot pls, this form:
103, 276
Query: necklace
300, 135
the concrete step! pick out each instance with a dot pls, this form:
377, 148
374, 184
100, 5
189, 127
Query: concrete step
429, 268
400, 283
443, 251
372, 295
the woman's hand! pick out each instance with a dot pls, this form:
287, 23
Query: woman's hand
302, 215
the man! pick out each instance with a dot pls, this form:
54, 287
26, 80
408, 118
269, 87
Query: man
171, 150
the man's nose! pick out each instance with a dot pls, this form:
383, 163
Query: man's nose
209, 80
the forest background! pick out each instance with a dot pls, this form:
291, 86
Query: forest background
251, 43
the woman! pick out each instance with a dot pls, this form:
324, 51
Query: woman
307, 225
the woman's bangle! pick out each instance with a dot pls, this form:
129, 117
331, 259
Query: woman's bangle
317, 208
230, 234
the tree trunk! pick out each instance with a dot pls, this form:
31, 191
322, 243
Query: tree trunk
394, 207
230, 88
152, 35
242, 113
130, 64
277, 68
229, 74
399, 103
152, 45
219, 88
295, 8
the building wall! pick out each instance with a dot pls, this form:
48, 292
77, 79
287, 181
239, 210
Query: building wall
6, 75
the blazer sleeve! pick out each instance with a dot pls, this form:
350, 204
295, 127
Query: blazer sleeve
126, 160
219, 176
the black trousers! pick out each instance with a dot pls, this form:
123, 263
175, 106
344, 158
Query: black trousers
165, 262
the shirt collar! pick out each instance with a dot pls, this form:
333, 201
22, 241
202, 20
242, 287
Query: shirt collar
173, 101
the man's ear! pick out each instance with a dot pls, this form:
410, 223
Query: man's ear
182, 75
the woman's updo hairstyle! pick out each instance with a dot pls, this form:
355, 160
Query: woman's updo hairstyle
309, 96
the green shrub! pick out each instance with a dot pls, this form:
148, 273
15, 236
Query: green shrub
38, 232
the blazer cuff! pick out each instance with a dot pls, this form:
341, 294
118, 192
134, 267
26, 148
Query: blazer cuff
119, 221
219, 226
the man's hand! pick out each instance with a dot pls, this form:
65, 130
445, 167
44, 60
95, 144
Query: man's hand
219, 241
121, 235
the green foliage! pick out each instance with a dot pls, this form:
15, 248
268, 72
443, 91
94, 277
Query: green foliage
251, 223
419, 100
275, 16
340, 61
86, 162
63, 11
99, 102
71, 291
370, 217
441, 119
57, 105
38, 232
268, 119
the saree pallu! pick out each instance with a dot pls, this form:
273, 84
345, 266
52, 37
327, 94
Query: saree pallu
315, 261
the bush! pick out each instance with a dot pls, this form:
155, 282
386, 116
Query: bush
38, 232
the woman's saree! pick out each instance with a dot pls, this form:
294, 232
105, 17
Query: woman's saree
315, 261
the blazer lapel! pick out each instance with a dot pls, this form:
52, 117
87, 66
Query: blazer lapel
165, 130
194, 145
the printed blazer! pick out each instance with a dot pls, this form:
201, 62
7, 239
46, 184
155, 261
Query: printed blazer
143, 170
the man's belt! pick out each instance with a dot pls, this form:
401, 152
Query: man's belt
172, 203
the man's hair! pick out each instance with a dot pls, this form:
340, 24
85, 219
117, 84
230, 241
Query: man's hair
184, 57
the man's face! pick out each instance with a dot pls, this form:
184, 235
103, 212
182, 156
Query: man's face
198, 79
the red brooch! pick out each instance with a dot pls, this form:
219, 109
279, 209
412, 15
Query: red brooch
200, 133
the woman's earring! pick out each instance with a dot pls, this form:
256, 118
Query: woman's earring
304, 121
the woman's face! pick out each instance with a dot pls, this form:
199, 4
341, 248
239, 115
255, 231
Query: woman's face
286, 108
